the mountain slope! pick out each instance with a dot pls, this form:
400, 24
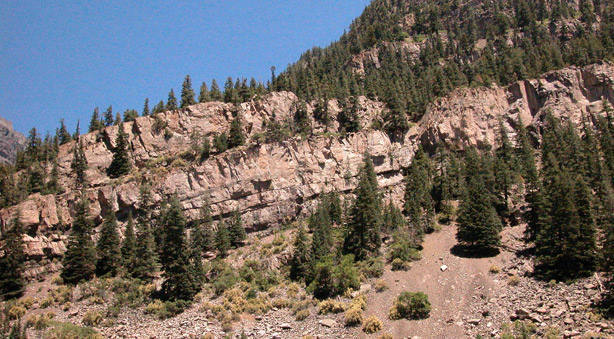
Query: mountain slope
271, 183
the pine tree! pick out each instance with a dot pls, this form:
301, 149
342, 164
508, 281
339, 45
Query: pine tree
108, 116
187, 93
230, 95
79, 263
222, 239
299, 263
63, 135
118, 119
236, 230
362, 238
236, 137
205, 150
35, 178
146, 111
419, 206
320, 225
12, 283
108, 248
95, 123
171, 103
128, 249
505, 162
179, 282
396, 120
323, 284
301, 119
130, 115
204, 93
159, 107
478, 222
146, 262
216, 94
120, 165
565, 247
392, 218
348, 117
53, 184
79, 164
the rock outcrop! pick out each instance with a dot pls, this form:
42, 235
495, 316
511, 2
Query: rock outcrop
271, 183
11, 141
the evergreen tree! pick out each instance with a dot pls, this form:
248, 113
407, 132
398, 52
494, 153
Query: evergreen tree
236, 230
179, 282
221, 142
95, 122
79, 164
128, 249
108, 250
323, 284
12, 283
505, 162
396, 120
187, 93
63, 135
216, 94
362, 238
301, 119
419, 206
108, 116
79, 263
130, 115
236, 137
146, 262
159, 107
146, 111
171, 103
348, 117
478, 222
118, 119
320, 225
53, 184
35, 178
120, 165
204, 93
205, 150
565, 247
230, 94
300, 261
222, 239
392, 218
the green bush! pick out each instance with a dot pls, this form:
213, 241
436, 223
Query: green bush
411, 306
353, 316
330, 306
372, 267
372, 325
92, 318
60, 330
404, 249
399, 265
302, 315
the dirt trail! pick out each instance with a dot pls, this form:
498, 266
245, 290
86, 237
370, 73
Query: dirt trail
451, 292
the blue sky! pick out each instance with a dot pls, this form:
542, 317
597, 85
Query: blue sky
60, 59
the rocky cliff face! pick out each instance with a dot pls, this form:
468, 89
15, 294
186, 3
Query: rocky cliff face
270, 183
11, 141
